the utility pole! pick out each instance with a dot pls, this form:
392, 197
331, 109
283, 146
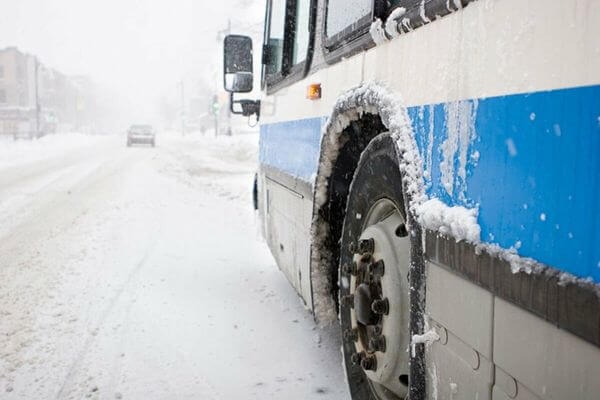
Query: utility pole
37, 98
215, 108
182, 109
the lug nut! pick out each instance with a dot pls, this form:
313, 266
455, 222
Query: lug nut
351, 335
366, 246
401, 231
348, 300
368, 363
357, 358
350, 269
377, 343
377, 268
381, 307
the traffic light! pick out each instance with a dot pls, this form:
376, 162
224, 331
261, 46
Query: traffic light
215, 106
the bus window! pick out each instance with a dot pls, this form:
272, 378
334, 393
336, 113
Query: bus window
343, 15
302, 35
276, 36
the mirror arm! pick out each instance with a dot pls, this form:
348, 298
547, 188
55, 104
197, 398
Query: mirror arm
249, 107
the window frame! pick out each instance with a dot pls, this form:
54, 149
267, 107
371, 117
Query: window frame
350, 32
350, 42
354, 38
290, 73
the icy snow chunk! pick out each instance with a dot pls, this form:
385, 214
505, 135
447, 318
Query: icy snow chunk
428, 337
458, 221
391, 24
512, 149
377, 32
422, 12
565, 278
460, 125
543, 217
532, 116
430, 138
557, 130
406, 24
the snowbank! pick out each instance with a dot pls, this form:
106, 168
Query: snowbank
26, 151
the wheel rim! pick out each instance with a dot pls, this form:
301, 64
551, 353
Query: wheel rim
377, 283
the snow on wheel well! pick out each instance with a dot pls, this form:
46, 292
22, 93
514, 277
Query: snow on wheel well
358, 116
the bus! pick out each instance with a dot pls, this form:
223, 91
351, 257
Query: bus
429, 179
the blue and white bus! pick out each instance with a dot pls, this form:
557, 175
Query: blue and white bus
430, 180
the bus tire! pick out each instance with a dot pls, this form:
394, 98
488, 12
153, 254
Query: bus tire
373, 277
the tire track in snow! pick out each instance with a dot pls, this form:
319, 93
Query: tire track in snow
74, 368
27, 279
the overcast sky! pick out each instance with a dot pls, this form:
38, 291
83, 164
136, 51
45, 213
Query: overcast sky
141, 48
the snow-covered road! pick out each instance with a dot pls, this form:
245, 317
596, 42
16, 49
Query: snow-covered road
140, 273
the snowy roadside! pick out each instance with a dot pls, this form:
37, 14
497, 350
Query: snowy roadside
139, 273
15, 153
224, 166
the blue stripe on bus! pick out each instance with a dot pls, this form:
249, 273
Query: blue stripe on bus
292, 146
532, 167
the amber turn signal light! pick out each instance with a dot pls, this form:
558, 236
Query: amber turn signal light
313, 91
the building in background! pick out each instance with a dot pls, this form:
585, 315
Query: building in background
81, 104
36, 100
18, 112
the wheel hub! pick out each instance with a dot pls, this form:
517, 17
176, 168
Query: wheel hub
379, 294
363, 299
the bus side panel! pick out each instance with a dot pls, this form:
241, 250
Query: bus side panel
288, 163
504, 97
546, 360
532, 168
513, 117
489, 346
290, 139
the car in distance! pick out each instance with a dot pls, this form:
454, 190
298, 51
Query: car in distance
144, 134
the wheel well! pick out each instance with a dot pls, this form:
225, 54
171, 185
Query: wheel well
356, 137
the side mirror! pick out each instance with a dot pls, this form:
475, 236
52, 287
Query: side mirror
237, 64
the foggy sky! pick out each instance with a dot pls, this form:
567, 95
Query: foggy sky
138, 48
